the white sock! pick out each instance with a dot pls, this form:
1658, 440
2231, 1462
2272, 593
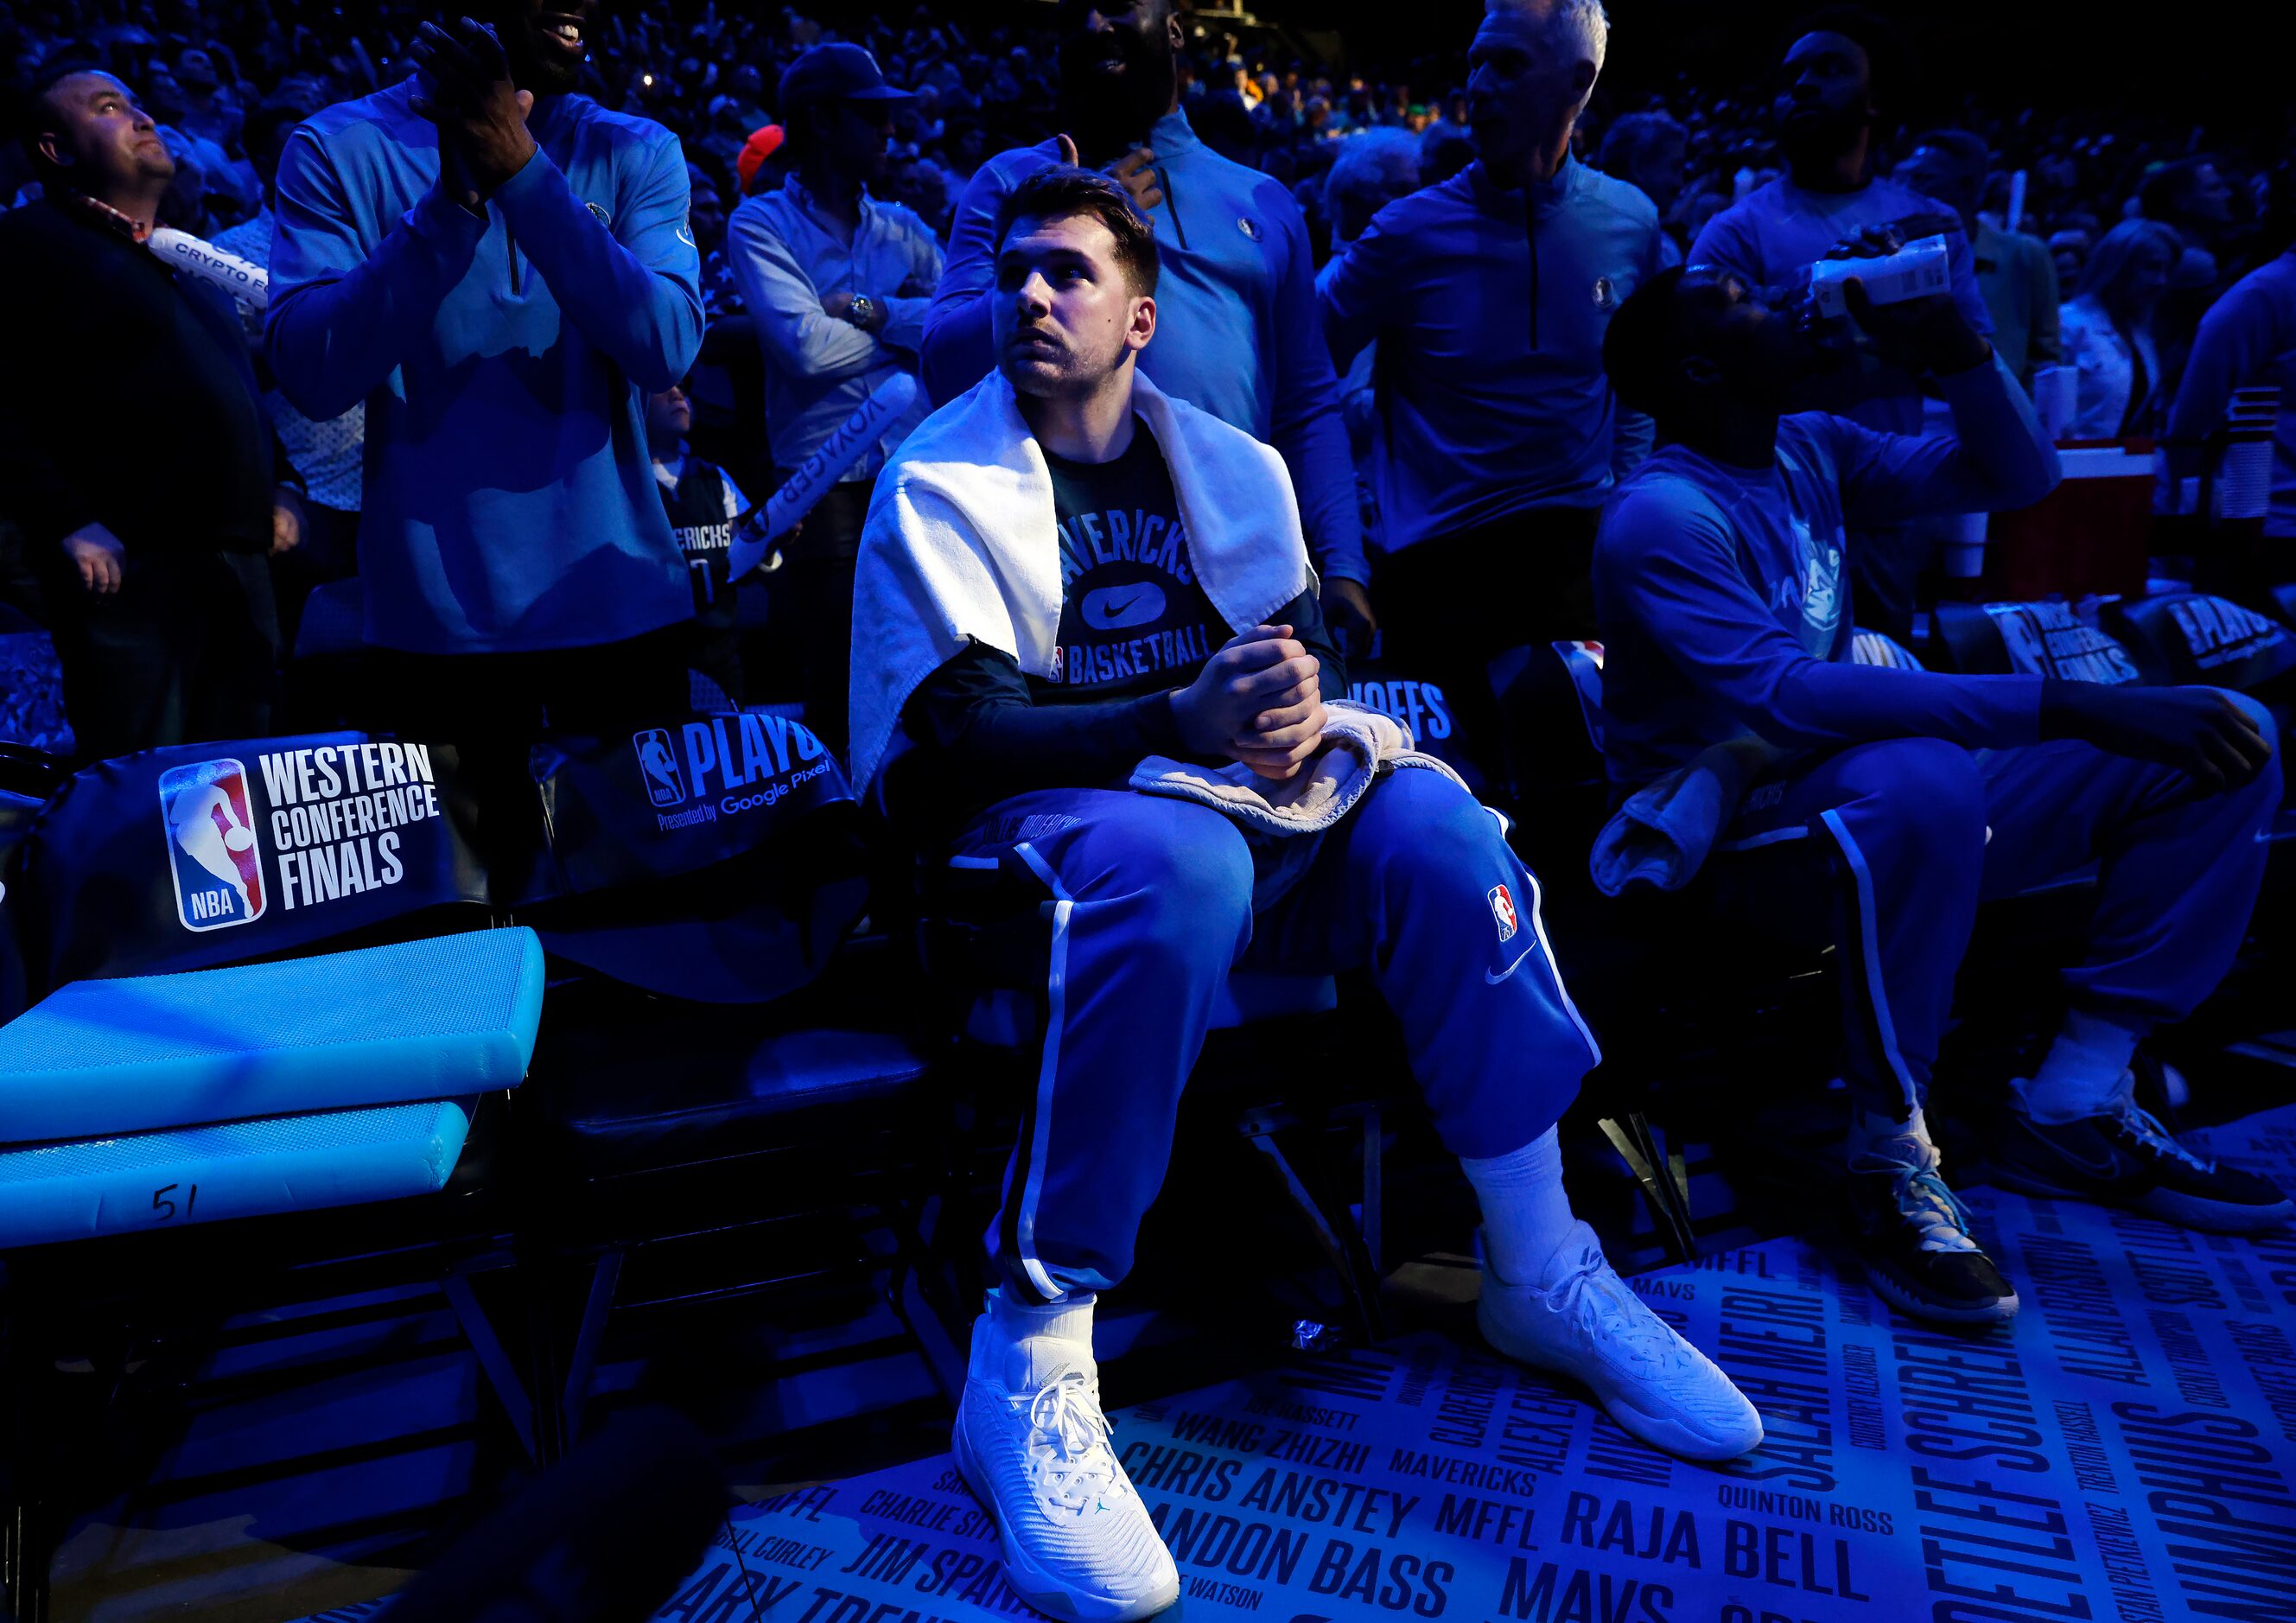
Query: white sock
2082, 1074
1525, 1214
1045, 1335
1869, 1130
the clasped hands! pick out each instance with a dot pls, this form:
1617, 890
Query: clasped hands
1258, 701
463, 86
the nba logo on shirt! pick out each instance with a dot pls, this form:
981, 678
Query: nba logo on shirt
658, 765
212, 847
1503, 910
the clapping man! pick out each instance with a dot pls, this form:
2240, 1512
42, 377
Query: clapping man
502, 269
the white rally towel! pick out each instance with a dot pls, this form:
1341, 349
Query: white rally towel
960, 545
1360, 746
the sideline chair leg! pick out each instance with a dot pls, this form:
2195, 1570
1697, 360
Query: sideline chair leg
493, 1362
1665, 1181
1341, 1247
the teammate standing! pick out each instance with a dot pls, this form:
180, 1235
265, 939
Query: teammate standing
1833, 94
1489, 294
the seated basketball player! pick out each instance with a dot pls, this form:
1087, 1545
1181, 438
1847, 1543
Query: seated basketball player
1064, 571
1722, 584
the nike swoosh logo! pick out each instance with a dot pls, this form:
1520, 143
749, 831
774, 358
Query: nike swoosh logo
1502, 974
1141, 603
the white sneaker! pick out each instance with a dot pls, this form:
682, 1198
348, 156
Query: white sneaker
1032, 1442
1586, 1323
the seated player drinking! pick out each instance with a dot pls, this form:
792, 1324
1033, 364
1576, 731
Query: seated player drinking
1722, 589
1065, 571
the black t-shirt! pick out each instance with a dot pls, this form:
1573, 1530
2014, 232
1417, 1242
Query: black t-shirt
1133, 619
1135, 624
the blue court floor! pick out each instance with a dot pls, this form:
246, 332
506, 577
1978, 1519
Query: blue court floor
2125, 1450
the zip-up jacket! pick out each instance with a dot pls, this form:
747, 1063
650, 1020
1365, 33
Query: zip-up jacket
1490, 396
504, 358
1237, 331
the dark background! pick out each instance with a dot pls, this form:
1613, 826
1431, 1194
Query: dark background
2232, 63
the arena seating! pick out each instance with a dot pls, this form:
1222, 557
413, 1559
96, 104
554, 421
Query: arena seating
175, 1114
828, 1102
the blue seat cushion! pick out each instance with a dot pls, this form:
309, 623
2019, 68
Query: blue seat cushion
444, 1017
138, 1181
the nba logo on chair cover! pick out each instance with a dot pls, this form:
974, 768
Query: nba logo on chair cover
658, 765
213, 846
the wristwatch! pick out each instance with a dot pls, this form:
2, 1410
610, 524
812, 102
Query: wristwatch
861, 311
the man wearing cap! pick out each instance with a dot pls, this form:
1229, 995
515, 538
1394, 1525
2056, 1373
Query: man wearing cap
502, 269
1240, 335
837, 283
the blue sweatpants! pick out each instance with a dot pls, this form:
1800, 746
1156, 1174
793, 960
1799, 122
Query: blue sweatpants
2178, 871
1154, 905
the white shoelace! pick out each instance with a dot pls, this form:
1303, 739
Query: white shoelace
2148, 1129
1922, 1195
1070, 1465
1618, 1316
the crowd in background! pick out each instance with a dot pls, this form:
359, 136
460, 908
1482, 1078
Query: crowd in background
2136, 223
222, 75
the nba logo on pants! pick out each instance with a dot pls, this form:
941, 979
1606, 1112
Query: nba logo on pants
658, 765
212, 846
1503, 910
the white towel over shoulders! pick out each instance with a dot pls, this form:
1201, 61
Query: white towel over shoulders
960, 545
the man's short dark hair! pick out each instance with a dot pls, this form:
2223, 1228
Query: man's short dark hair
1642, 350
1059, 194
33, 121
